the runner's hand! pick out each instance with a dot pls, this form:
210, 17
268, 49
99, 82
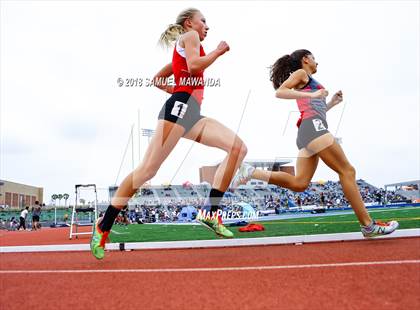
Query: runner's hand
222, 48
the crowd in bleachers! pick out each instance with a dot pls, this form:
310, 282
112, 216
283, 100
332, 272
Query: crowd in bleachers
164, 204
328, 195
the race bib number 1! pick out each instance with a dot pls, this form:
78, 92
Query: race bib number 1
179, 109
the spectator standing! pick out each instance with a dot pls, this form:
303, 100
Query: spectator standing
322, 199
36, 213
22, 218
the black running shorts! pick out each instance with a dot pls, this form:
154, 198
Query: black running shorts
183, 109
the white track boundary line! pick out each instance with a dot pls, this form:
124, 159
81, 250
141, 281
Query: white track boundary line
402, 233
119, 233
213, 269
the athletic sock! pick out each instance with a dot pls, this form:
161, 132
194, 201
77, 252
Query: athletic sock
213, 201
108, 220
370, 226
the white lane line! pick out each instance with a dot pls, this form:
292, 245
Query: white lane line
119, 233
210, 269
192, 244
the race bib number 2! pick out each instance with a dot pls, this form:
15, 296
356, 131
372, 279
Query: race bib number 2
179, 109
319, 125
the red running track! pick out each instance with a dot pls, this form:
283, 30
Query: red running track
395, 286
43, 236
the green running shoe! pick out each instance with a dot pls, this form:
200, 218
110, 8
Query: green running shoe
97, 243
215, 225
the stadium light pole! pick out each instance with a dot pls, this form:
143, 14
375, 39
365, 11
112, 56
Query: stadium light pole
132, 147
138, 126
145, 132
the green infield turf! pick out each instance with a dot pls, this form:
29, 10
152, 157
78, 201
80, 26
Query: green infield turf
321, 224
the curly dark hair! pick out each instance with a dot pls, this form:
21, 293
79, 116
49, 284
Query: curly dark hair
284, 66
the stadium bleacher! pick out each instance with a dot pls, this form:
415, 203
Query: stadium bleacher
168, 200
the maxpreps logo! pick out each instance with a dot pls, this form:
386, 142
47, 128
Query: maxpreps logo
228, 215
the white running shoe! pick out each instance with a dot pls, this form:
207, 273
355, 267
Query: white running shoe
242, 176
379, 229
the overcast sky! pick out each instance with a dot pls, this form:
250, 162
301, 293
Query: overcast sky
65, 120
